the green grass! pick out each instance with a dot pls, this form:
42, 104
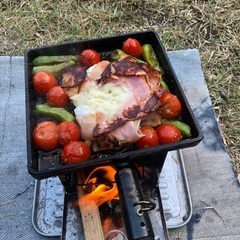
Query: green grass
210, 26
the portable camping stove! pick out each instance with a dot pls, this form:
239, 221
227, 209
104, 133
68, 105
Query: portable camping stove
144, 212
54, 213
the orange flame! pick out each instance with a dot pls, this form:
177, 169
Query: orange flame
102, 185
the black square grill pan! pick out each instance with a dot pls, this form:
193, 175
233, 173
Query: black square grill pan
42, 165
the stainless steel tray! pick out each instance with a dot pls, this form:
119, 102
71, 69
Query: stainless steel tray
48, 206
174, 189
173, 185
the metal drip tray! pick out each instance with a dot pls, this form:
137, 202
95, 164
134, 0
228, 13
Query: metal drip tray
48, 205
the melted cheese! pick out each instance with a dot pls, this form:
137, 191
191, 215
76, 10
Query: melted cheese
105, 99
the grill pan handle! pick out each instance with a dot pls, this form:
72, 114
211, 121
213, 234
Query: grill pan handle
134, 207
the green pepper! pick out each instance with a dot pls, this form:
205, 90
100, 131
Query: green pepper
51, 60
118, 54
183, 127
56, 69
59, 114
150, 57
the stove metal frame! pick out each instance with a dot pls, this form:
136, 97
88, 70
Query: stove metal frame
49, 202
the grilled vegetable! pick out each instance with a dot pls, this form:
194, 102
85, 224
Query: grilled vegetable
118, 54
43, 82
150, 57
171, 106
149, 138
89, 57
132, 47
55, 70
183, 127
68, 131
74, 152
59, 114
168, 133
51, 60
56, 97
45, 135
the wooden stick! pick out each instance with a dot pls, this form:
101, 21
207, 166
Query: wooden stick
90, 213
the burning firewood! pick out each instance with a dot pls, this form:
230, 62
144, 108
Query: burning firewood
90, 213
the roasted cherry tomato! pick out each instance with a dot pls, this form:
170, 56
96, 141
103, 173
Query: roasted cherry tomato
132, 47
89, 57
74, 152
45, 135
168, 133
68, 131
56, 97
150, 138
171, 106
43, 82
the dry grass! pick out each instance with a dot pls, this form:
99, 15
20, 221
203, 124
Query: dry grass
210, 26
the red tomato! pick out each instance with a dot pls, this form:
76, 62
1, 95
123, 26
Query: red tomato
68, 131
132, 47
56, 97
168, 133
74, 152
43, 82
45, 135
89, 57
171, 106
150, 138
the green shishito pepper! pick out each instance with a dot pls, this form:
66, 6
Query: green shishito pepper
56, 69
59, 114
150, 57
183, 127
52, 60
